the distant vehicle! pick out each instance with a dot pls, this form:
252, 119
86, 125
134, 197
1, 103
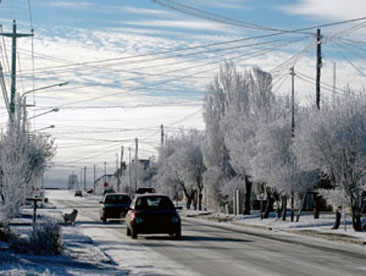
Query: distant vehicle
114, 206
145, 190
152, 214
78, 193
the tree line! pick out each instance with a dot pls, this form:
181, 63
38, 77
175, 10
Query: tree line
249, 144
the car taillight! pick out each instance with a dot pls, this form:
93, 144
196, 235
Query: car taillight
133, 215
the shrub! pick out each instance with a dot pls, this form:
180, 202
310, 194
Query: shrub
46, 238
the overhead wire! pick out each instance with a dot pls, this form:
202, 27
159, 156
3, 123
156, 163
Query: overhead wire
213, 16
268, 50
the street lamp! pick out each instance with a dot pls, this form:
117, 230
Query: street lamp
45, 87
56, 109
51, 126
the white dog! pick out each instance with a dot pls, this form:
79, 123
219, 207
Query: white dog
70, 217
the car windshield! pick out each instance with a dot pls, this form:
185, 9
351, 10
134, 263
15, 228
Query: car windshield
156, 203
123, 199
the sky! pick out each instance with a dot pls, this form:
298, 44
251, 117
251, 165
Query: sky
132, 65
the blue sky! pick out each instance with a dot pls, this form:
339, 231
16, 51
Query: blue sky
118, 89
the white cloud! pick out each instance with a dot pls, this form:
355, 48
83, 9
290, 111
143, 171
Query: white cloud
328, 9
76, 4
143, 11
190, 25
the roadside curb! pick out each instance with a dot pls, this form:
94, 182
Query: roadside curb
253, 226
327, 236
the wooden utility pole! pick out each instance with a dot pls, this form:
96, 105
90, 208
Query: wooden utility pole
318, 66
81, 179
334, 77
136, 161
318, 71
117, 172
121, 167
14, 35
95, 167
162, 136
129, 169
85, 178
292, 73
105, 172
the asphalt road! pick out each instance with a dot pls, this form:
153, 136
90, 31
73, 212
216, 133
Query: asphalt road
206, 249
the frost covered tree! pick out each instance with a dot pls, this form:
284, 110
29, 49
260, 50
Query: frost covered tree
23, 157
234, 104
181, 166
275, 162
214, 151
332, 140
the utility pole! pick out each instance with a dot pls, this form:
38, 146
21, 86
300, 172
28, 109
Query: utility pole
117, 174
318, 66
292, 73
129, 169
121, 166
81, 178
105, 172
85, 178
136, 160
14, 35
95, 167
334, 77
318, 69
162, 136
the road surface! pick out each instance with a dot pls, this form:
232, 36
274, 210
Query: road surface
206, 249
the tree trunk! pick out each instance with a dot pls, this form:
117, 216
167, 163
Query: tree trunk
292, 207
188, 204
268, 205
337, 221
248, 191
200, 200
316, 205
194, 198
279, 210
284, 208
300, 210
356, 219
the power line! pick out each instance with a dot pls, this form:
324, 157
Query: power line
214, 17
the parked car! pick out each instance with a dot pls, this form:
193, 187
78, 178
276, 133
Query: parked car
152, 214
78, 193
114, 206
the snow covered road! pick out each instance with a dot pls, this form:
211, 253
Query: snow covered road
206, 249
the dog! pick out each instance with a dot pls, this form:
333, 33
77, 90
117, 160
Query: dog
70, 217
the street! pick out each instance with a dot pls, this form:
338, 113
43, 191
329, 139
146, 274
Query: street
212, 250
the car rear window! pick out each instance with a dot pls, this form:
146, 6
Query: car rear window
123, 199
156, 203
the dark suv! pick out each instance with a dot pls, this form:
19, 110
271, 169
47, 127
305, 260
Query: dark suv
114, 206
152, 214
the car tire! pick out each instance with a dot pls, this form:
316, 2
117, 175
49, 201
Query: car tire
178, 235
133, 234
128, 231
